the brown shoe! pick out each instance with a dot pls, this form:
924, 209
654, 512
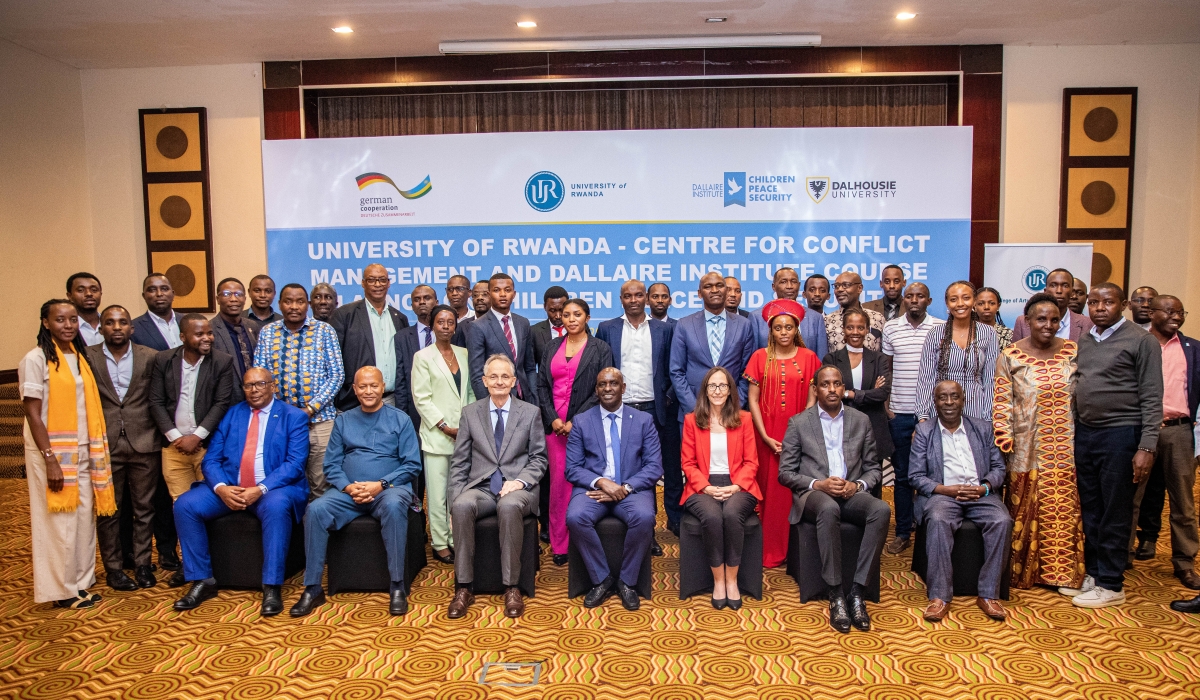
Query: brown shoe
937, 610
514, 605
1189, 578
992, 608
462, 600
898, 544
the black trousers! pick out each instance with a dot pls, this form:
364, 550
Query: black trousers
162, 522
1104, 476
722, 523
861, 509
134, 478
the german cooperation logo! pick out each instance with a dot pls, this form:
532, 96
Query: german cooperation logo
1034, 279
544, 191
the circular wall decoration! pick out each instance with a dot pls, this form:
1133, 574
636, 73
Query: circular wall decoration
182, 279
175, 211
1102, 268
171, 142
1098, 198
1100, 124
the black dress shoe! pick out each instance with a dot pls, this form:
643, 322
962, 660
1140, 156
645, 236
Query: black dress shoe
118, 580
272, 601
312, 597
177, 579
560, 560
398, 602
656, 549
839, 618
858, 613
169, 562
1146, 550
599, 593
544, 536
629, 597
197, 594
734, 603
1187, 606
448, 559
719, 603
144, 576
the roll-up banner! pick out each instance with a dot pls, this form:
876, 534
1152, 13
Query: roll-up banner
1018, 270
590, 210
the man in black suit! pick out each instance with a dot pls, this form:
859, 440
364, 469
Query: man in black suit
458, 297
158, 328
502, 332
733, 297
367, 330
481, 299
409, 342
123, 377
658, 298
553, 301
233, 333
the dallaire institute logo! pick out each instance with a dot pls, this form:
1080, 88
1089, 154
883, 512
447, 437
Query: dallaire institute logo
544, 191
817, 188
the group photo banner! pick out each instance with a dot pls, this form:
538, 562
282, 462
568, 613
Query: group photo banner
589, 210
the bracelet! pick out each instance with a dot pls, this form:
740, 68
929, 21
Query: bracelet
47, 453
987, 489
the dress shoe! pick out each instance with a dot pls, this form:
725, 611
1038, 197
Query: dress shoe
629, 597
463, 598
992, 608
94, 597
448, 559
514, 605
560, 560
118, 580
1187, 606
599, 593
656, 549
898, 544
177, 579
197, 594
272, 601
544, 536
937, 610
313, 597
144, 575
734, 603
1189, 578
720, 603
169, 562
398, 600
839, 617
1146, 550
858, 613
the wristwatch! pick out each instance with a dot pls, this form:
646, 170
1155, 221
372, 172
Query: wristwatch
47, 453
385, 484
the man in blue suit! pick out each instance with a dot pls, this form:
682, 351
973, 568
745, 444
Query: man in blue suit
255, 462
158, 328
501, 332
706, 339
614, 463
957, 472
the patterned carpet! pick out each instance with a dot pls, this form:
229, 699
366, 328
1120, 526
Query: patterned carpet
134, 646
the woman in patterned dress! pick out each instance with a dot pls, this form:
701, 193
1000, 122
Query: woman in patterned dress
987, 308
1035, 380
780, 377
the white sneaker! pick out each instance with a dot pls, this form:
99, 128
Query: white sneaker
1088, 584
1099, 598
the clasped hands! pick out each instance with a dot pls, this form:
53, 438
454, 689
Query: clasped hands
561, 427
188, 444
722, 493
960, 492
238, 498
836, 487
608, 491
363, 491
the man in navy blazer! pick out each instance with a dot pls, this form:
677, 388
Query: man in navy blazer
486, 336
255, 462
614, 463
957, 472
706, 339
158, 328
362, 327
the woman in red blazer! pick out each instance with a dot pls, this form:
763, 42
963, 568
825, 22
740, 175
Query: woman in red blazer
720, 465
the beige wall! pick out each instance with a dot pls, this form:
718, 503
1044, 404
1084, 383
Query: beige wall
44, 219
1166, 205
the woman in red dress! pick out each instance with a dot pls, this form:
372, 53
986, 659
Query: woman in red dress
781, 377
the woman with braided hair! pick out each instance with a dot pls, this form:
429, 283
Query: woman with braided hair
963, 350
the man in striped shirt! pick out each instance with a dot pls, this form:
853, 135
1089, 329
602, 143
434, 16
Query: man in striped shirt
903, 341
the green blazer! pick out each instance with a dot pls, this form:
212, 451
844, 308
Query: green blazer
435, 398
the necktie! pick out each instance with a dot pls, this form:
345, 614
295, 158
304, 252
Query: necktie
559, 331
716, 339
512, 348
428, 337
497, 481
615, 437
246, 473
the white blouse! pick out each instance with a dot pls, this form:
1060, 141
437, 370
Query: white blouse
718, 444
33, 374
856, 372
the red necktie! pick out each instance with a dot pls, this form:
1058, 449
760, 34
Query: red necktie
512, 348
246, 474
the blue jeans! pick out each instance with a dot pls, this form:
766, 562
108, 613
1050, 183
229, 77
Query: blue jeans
902, 427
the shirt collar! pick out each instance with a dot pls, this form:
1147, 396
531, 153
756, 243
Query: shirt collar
285, 329
421, 327
825, 414
507, 407
185, 362
1098, 335
499, 316
1066, 320
129, 351
645, 321
605, 413
947, 431
850, 348
163, 321
1174, 339
265, 409
708, 315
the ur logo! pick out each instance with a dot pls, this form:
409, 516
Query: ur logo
735, 189
1034, 279
817, 188
544, 191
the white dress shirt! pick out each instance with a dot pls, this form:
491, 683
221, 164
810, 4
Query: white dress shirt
120, 370
610, 463
637, 361
169, 329
512, 326
958, 461
91, 334
185, 413
260, 473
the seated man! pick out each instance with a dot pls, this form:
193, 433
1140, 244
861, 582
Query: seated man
499, 458
370, 465
829, 462
957, 472
255, 462
614, 463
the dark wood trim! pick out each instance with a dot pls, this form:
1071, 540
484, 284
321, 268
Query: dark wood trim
982, 108
281, 112
8, 376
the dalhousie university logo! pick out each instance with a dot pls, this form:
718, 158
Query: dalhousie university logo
817, 188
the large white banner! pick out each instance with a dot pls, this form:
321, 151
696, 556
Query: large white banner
589, 210
1018, 270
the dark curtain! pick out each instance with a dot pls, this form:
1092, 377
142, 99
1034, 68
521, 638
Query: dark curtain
636, 108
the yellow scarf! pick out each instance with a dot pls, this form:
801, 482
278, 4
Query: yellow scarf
62, 423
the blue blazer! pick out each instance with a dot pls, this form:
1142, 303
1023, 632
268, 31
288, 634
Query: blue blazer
285, 450
145, 332
660, 353
641, 456
926, 465
690, 359
485, 337
1191, 352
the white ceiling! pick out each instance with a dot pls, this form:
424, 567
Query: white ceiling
135, 33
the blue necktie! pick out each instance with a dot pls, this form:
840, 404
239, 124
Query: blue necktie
428, 337
716, 339
497, 481
615, 437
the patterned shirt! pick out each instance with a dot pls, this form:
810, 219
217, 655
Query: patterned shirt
837, 340
307, 365
974, 368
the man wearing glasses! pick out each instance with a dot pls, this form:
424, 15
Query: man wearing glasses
847, 288
367, 331
458, 297
233, 333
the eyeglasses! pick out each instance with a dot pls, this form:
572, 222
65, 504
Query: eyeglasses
458, 289
227, 294
1171, 314
250, 386
845, 285
376, 280
718, 387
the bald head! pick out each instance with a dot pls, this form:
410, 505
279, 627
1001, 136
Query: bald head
369, 388
712, 292
259, 386
633, 300
847, 288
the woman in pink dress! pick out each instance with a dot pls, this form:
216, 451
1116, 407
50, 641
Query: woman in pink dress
574, 360
781, 377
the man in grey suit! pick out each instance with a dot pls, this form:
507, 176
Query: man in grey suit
499, 458
830, 464
957, 471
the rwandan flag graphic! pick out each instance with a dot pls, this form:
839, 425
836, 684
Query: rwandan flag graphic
420, 190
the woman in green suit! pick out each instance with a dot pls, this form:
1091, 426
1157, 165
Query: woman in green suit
441, 388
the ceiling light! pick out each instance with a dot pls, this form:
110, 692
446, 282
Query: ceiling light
678, 42
527, 24
343, 30
906, 15
716, 20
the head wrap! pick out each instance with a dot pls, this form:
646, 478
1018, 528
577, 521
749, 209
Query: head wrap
780, 307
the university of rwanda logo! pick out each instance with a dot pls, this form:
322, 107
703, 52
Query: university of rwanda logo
817, 188
417, 192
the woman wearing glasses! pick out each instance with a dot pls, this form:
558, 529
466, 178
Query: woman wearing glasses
720, 466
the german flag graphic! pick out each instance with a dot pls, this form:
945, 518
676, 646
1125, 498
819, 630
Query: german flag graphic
423, 188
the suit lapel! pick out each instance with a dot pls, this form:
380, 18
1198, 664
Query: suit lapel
626, 440
700, 326
508, 431
493, 325
814, 426
106, 381
935, 448
269, 439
